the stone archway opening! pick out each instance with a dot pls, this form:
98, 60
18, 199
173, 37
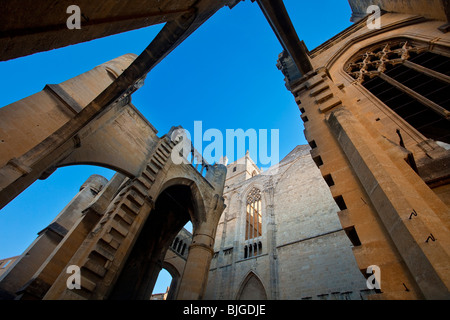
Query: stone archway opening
163, 285
169, 278
174, 207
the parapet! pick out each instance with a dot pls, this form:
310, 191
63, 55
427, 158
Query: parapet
95, 183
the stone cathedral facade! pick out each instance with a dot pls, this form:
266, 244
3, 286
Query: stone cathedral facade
279, 236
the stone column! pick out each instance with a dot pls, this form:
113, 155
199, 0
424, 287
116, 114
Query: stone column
195, 276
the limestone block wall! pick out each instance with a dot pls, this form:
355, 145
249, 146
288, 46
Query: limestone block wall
303, 203
320, 268
305, 252
314, 253
25, 123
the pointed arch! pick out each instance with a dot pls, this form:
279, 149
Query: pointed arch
254, 217
359, 41
248, 189
251, 288
199, 212
410, 79
252, 220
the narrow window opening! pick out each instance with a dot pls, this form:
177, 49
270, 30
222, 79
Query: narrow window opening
253, 224
340, 202
254, 217
312, 144
353, 236
318, 161
175, 243
329, 180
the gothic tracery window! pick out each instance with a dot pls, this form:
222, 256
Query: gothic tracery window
253, 226
410, 80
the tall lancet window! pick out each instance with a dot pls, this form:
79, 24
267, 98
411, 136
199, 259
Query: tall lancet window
253, 226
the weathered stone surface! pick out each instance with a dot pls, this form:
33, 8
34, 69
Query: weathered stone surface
356, 144
305, 252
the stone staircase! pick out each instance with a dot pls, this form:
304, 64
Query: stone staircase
113, 236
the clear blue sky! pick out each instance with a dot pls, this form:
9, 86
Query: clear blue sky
224, 75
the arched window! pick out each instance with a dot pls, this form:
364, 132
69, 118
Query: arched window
254, 218
180, 244
253, 224
174, 245
410, 80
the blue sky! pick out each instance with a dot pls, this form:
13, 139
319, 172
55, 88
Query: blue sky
224, 75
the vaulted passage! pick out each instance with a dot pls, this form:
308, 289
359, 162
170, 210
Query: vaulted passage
173, 210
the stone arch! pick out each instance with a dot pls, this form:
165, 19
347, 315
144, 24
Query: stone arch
249, 188
383, 64
245, 249
396, 42
106, 143
175, 273
245, 194
251, 288
175, 205
199, 212
385, 33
